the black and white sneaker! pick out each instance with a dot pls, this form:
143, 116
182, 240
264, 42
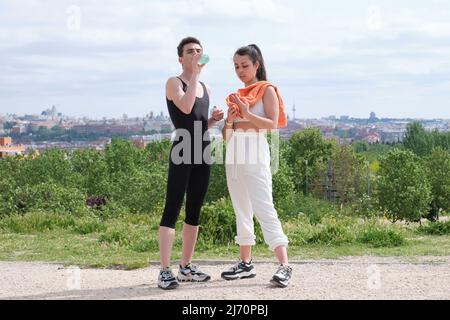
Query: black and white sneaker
282, 276
240, 270
191, 272
166, 279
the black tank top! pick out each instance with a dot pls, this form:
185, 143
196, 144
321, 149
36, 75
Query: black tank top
196, 122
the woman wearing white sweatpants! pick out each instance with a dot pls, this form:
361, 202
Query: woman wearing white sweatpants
249, 181
247, 165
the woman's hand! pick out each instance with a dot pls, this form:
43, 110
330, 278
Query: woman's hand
243, 106
232, 114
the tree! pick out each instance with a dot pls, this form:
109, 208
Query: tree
360, 146
283, 188
349, 174
308, 155
441, 139
438, 170
403, 188
418, 140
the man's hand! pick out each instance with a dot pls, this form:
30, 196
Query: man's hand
196, 68
217, 114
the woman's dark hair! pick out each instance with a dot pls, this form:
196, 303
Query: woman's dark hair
254, 53
184, 42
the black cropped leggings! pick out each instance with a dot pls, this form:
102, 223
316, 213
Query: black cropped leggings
189, 179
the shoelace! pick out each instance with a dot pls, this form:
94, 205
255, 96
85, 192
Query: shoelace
284, 270
192, 267
167, 275
237, 265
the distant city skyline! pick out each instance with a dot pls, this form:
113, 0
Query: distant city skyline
165, 114
106, 58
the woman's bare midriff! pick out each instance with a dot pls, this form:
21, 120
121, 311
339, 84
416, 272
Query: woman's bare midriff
246, 126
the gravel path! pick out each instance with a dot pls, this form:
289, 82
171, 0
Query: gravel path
347, 278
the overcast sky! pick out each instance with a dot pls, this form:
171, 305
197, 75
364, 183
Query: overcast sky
106, 58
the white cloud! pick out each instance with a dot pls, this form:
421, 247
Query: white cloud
321, 48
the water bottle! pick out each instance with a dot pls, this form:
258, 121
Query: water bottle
204, 59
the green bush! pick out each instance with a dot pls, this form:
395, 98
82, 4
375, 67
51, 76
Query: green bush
314, 209
332, 235
49, 197
54, 198
91, 166
365, 206
380, 237
218, 222
53, 166
7, 188
283, 187
298, 230
217, 187
141, 191
435, 228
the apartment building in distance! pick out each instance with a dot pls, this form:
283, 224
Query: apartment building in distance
8, 149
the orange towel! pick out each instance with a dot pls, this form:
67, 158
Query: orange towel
253, 93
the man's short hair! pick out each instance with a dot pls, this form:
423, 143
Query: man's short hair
184, 42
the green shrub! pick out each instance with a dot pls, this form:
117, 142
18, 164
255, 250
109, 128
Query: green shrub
49, 197
435, 228
332, 235
141, 191
298, 230
314, 209
7, 188
365, 206
218, 222
380, 237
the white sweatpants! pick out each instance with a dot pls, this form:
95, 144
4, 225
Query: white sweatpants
249, 180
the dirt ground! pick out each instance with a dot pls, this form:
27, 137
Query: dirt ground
364, 277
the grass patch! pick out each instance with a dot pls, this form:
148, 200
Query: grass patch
132, 241
36, 222
88, 225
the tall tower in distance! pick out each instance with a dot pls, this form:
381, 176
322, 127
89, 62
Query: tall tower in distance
293, 111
